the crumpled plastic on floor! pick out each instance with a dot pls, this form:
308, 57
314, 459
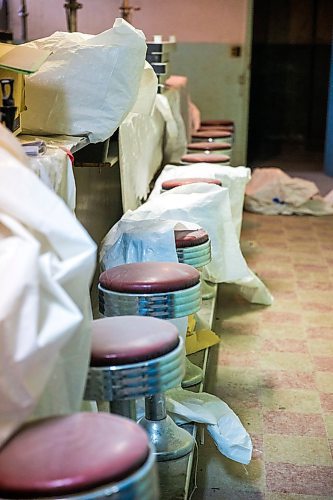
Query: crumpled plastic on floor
223, 425
329, 198
273, 192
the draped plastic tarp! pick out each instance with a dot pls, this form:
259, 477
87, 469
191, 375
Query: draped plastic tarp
46, 265
88, 84
147, 139
234, 178
198, 204
273, 192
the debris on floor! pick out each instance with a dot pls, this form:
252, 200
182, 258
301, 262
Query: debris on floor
273, 192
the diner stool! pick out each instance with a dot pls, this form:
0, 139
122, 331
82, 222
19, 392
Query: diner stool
212, 136
193, 247
164, 290
210, 148
136, 357
83, 456
173, 183
205, 158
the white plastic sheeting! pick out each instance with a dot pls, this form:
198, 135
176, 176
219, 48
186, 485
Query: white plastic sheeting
140, 155
88, 84
56, 171
146, 138
272, 191
223, 425
134, 239
199, 204
175, 144
46, 266
54, 167
234, 178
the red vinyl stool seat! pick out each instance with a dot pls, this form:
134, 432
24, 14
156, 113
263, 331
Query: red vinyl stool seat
137, 357
84, 455
127, 339
204, 158
173, 183
227, 128
209, 147
149, 277
212, 136
190, 238
213, 123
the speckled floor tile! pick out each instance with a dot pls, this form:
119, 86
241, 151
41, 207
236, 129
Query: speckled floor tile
324, 382
322, 348
294, 424
328, 419
275, 366
297, 362
295, 400
302, 479
298, 450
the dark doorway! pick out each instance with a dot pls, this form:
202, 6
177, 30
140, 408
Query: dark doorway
3, 15
289, 77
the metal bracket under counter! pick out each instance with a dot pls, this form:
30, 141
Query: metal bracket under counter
101, 154
177, 477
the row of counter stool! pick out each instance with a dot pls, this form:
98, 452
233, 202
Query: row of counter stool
211, 143
100, 455
153, 291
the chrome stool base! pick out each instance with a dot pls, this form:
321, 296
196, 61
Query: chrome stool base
169, 440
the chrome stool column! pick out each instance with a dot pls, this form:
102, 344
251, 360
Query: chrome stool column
84, 456
212, 135
210, 148
139, 357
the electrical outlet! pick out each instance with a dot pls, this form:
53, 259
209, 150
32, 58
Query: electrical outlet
236, 51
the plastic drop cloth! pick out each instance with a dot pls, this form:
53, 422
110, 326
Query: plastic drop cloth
273, 192
199, 205
234, 178
140, 155
46, 265
88, 84
329, 198
152, 132
175, 144
137, 239
55, 170
223, 425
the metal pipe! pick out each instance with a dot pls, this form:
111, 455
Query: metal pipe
155, 408
23, 14
124, 407
126, 10
71, 7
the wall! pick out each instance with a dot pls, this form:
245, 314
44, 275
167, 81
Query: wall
206, 31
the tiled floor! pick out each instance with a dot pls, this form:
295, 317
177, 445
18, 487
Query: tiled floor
274, 366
